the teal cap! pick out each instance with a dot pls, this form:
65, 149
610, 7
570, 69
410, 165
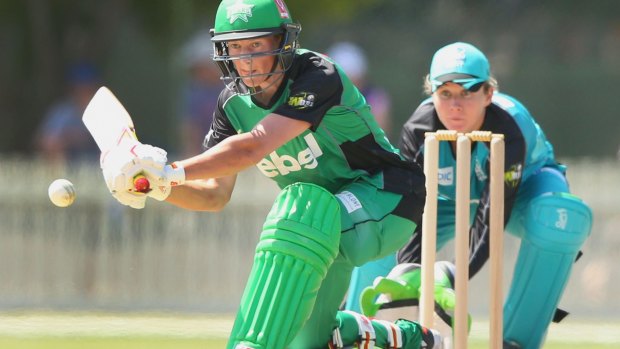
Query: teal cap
460, 63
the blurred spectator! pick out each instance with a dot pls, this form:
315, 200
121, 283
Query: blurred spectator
62, 136
353, 61
200, 94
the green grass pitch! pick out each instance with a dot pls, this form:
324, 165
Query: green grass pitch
181, 331
180, 343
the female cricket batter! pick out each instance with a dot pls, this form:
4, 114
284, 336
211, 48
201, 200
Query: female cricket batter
347, 196
539, 209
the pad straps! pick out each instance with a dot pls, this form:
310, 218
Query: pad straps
367, 336
394, 334
336, 342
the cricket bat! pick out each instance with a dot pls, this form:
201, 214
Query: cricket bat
109, 124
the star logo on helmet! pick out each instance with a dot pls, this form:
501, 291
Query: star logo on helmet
239, 10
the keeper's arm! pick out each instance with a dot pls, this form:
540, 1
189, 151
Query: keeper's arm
480, 229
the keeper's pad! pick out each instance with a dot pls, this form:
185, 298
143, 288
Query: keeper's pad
299, 242
556, 225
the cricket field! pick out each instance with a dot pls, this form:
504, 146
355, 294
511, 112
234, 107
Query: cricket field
181, 331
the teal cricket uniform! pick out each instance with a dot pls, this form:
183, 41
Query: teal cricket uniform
381, 196
527, 153
539, 210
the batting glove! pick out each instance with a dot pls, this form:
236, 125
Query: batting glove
132, 199
163, 180
122, 164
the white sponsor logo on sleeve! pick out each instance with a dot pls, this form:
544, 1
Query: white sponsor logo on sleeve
349, 200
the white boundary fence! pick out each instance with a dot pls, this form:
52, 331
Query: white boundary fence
98, 254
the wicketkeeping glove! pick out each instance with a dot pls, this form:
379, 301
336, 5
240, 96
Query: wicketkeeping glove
404, 282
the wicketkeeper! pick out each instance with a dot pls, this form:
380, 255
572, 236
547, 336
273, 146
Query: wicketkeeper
347, 196
539, 209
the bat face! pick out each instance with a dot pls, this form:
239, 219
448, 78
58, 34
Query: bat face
107, 120
110, 124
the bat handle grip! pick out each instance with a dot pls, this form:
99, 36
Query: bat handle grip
141, 184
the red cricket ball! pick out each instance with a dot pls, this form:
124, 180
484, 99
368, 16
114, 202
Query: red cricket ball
141, 184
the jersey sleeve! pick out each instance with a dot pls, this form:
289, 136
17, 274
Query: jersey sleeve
408, 145
514, 162
221, 127
421, 121
316, 87
411, 145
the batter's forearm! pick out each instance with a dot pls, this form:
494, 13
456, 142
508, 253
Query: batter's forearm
228, 158
199, 196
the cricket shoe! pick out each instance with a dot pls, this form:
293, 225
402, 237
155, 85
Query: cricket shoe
431, 339
511, 345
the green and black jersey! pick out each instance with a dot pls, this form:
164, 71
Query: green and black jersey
344, 142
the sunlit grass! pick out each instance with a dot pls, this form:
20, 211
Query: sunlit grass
182, 331
107, 343
192, 343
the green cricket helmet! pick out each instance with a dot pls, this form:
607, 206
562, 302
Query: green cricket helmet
249, 19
